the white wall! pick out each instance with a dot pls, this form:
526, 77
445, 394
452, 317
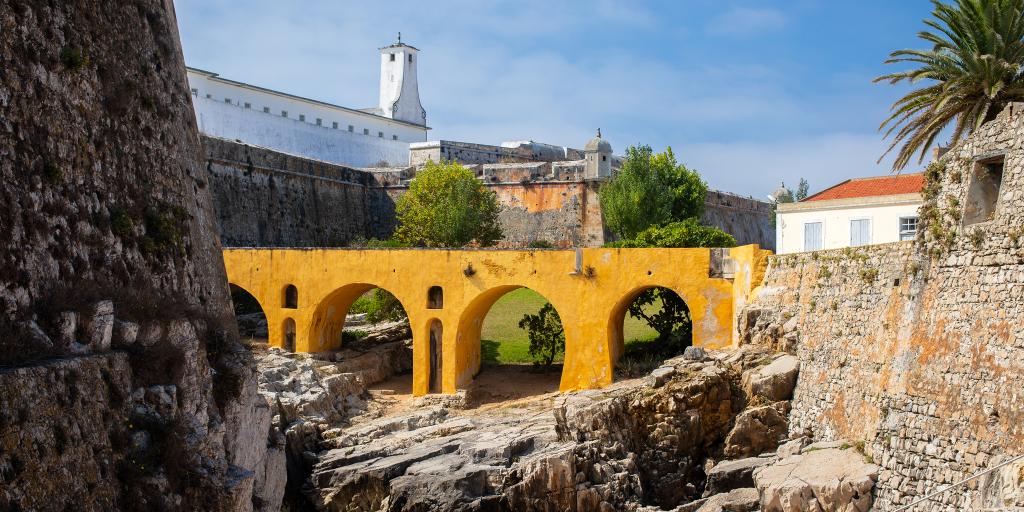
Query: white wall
221, 111
836, 216
220, 119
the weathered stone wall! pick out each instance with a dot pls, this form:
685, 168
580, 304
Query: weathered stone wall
915, 349
265, 198
468, 153
108, 246
746, 219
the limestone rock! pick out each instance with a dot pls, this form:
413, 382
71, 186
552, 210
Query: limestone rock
744, 499
1003, 489
774, 381
829, 479
756, 431
733, 474
101, 325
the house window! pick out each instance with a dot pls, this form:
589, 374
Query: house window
195, 92
366, 131
334, 125
983, 192
248, 105
908, 228
227, 100
209, 96
351, 128
860, 232
394, 137
392, 57
266, 110
410, 57
812, 236
380, 134
319, 122
302, 117
284, 113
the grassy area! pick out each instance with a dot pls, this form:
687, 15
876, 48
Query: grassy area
504, 342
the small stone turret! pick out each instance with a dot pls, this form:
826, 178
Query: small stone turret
598, 158
782, 194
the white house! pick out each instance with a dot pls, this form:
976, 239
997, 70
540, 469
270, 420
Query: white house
859, 211
315, 129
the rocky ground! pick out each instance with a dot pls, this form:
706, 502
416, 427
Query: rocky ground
701, 432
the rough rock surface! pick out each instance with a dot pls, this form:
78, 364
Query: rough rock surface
310, 396
733, 474
124, 382
637, 443
758, 430
774, 381
822, 477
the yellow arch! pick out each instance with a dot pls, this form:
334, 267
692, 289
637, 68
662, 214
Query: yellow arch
588, 287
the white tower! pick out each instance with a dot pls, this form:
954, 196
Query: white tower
399, 92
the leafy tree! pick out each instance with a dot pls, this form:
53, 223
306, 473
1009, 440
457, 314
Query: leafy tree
636, 197
972, 70
446, 206
802, 190
686, 233
547, 338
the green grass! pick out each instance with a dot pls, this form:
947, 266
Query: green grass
504, 342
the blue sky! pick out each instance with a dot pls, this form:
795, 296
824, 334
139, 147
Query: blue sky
748, 93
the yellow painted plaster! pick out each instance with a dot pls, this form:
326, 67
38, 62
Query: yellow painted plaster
591, 299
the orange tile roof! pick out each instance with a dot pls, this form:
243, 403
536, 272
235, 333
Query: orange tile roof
874, 186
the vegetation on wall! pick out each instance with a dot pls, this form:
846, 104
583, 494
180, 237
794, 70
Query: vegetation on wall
447, 206
379, 305
971, 71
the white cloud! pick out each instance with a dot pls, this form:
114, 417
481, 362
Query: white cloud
746, 20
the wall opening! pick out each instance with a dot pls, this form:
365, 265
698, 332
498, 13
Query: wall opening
288, 334
291, 297
249, 315
648, 326
435, 298
436, 355
983, 191
495, 333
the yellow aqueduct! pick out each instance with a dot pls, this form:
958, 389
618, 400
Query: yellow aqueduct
306, 293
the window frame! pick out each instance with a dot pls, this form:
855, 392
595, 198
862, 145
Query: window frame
821, 241
871, 230
912, 233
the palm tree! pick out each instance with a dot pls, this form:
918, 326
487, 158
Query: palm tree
975, 69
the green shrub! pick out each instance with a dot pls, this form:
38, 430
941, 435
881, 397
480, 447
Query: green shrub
547, 338
541, 244
379, 306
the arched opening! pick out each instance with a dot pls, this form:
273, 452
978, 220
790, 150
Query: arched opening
648, 325
358, 312
249, 315
288, 334
496, 333
367, 328
291, 297
436, 356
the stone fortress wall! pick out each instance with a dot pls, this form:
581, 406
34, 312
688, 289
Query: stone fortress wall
122, 382
914, 350
265, 198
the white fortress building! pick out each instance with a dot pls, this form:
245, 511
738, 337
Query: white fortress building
368, 137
